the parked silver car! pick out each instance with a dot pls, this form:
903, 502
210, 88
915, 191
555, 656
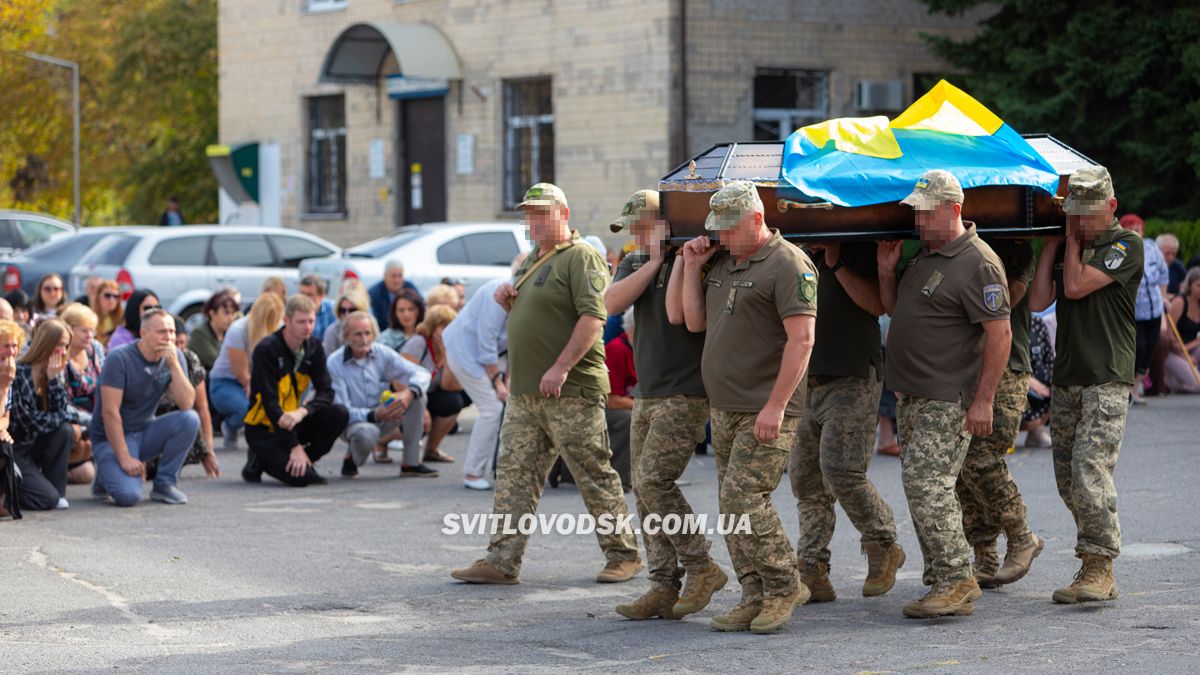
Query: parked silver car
471, 252
21, 229
184, 265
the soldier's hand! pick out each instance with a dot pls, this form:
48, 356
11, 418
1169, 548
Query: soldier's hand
979, 419
698, 251
767, 425
887, 257
505, 295
553, 381
833, 253
1051, 243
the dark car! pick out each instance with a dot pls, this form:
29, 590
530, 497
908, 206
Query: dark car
58, 255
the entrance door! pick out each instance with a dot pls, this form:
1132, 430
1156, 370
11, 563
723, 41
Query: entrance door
423, 159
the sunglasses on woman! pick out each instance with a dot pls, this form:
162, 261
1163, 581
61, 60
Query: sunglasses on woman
343, 310
111, 296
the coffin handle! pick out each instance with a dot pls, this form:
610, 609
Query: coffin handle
784, 204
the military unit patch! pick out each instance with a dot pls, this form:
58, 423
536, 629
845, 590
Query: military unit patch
806, 286
1116, 255
993, 297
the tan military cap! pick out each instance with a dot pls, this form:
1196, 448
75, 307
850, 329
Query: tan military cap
635, 207
935, 187
1087, 190
543, 194
730, 203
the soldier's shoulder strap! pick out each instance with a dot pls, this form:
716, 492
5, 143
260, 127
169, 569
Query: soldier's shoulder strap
542, 261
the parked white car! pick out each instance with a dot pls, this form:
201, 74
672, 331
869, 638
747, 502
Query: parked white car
184, 265
471, 252
21, 229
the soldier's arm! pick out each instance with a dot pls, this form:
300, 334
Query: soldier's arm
626, 290
675, 295
1042, 294
695, 253
1079, 280
887, 258
801, 330
1016, 291
998, 341
587, 329
863, 291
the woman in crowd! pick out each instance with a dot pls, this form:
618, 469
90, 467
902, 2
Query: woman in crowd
1036, 420
85, 358
10, 335
445, 395
276, 286
230, 375
408, 310
139, 303
354, 298
443, 294
1185, 311
48, 301
202, 448
41, 418
105, 301
220, 312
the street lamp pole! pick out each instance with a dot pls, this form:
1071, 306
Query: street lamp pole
74, 67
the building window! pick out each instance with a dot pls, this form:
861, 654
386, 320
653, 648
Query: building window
528, 137
786, 99
313, 6
326, 184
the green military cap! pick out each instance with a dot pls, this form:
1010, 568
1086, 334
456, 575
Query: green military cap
730, 203
637, 204
935, 187
1088, 189
543, 194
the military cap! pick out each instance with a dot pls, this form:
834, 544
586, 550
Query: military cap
935, 187
730, 203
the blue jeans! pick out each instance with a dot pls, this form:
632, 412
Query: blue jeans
229, 399
170, 436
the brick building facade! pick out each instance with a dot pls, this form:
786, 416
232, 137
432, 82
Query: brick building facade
602, 96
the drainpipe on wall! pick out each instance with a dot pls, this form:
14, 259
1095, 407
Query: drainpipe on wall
683, 80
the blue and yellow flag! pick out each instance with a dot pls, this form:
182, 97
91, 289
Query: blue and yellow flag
857, 161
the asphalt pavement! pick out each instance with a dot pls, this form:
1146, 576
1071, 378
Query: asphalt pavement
353, 577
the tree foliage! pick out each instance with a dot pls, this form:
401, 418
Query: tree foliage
148, 92
1119, 81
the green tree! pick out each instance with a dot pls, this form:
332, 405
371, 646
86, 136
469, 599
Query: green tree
1119, 81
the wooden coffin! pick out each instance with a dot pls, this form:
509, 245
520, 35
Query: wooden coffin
1010, 211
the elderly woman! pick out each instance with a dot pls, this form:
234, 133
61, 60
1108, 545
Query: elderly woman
353, 299
85, 358
445, 395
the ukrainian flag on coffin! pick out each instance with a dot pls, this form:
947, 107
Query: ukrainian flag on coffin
857, 161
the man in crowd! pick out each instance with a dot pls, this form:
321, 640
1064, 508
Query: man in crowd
361, 371
125, 433
384, 292
314, 288
558, 390
991, 502
669, 412
284, 435
1093, 273
758, 305
837, 434
947, 347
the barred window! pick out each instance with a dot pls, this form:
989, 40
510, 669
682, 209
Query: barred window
787, 99
528, 137
325, 187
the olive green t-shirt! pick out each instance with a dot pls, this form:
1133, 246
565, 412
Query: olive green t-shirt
935, 342
567, 287
1017, 257
847, 336
745, 305
1096, 336
667, 357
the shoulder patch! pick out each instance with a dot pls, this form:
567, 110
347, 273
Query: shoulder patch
806, 287
598, 281
1116, 255
993, 295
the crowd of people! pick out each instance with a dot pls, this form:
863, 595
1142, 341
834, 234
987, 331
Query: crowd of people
622, 368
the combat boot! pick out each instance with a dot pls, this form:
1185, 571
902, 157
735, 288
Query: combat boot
699, 588
944, 599
658, 603
882, 565
987, 563
738, 618
1094, 582
1017, 560
777, 609
483, 572
815, 575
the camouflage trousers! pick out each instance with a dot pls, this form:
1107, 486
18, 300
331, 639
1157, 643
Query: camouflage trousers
537, 430
991, 502
747, 474
1087, 425
934, 444
662, 436
837, 440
